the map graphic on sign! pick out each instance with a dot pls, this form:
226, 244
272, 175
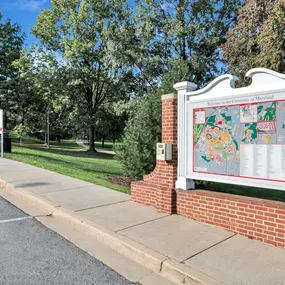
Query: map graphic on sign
233, 140
248, 113
217, 141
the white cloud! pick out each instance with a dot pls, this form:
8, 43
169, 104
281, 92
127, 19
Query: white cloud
31, 5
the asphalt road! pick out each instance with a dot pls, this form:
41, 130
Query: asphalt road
32, 254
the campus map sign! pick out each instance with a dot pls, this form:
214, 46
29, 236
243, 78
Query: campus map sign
233, 135
244, 140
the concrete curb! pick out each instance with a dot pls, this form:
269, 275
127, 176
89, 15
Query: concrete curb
176, 271
155, 261
47, 207
129, 248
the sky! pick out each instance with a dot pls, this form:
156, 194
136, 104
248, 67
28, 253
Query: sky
24, 12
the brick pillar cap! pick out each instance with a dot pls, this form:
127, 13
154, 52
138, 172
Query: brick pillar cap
187, 86
168, 96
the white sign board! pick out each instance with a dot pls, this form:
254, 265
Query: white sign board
236, 135
1, 131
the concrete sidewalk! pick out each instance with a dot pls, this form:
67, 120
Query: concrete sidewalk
181, 250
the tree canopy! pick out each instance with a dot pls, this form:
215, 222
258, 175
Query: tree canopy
44, 101
82, 32
11, 43
257, 39
162, 31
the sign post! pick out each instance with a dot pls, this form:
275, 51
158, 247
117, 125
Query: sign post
2, 132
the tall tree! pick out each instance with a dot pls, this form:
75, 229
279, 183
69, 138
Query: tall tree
44, 103
258, 38
164, 30
82, 32
11, 42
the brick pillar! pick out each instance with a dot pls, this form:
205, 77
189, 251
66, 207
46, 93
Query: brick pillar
167, 170
157, 188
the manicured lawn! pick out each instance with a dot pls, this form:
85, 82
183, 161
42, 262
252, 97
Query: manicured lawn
72, 160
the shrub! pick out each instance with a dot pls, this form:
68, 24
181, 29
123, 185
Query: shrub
137, 150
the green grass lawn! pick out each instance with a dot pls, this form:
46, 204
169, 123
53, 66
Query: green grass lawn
72, 160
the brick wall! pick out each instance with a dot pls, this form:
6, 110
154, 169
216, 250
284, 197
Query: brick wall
157, 188
259, 219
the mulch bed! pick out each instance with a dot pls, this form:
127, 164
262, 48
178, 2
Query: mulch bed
121, 180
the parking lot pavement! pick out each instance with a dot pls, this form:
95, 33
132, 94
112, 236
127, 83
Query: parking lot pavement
33, 254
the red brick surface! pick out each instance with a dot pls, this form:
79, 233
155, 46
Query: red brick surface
255, 218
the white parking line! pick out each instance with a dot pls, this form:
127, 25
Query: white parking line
15, 220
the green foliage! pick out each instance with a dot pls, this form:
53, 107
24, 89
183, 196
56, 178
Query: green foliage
11, 42
110, 124
186, 29
178, 71
257, 39
137, 150
83, 33
42, 98
19, 131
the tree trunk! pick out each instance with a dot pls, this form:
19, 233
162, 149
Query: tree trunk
181, 19
103, 141
5, 120
92, 139
114, 138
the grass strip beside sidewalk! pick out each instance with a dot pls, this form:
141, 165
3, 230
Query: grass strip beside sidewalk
69, 159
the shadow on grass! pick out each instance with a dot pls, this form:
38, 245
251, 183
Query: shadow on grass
263, 193
98, 144
79, 153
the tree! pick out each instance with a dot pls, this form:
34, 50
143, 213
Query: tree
137, 151
186, 30
257, 39
19, 131
43, 102
82, 32
11, 42
111, 122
